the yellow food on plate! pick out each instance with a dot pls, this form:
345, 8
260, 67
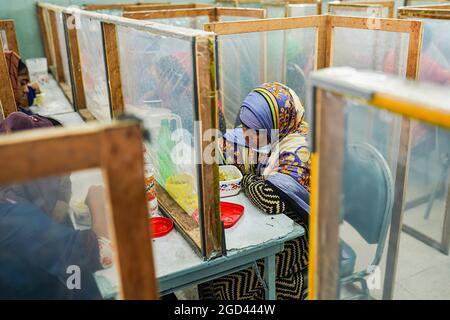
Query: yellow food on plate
224, 175
181, 189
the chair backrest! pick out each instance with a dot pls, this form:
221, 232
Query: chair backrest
368, 194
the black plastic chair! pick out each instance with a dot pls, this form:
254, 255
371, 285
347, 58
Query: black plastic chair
367, 206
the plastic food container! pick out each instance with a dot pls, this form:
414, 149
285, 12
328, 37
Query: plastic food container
160, 226
230, 187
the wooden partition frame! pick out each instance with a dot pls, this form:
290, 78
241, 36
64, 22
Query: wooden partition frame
444, 244
357, 7
7, 99
207, 236
117, 150
274, 3
11, 37
441, 12
323, 247
390, 4
51, 40
213, 13
325, 26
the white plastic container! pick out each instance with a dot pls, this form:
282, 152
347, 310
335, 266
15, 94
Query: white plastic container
231, 187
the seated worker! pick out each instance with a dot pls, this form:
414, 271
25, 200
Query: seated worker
24, 91
37, 246
277, 182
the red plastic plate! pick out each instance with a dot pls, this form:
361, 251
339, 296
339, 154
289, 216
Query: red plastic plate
230, 213
160, 226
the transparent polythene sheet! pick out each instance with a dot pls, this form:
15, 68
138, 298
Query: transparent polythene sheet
428, 179
359, 12
55, 236
235, 18
63, 47
185, 22
422, 272
370, 50
367, 185
435, 55
93, 68
300, 10
4, 40
158, 87
247, 60
278, 11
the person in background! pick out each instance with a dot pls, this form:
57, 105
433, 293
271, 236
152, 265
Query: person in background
277, 182
24, 91
37, 244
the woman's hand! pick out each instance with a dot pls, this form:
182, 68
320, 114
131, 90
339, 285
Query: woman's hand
95, 200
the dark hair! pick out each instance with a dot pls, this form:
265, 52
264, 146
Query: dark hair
22, 67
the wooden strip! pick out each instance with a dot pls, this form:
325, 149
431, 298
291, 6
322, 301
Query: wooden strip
112, 6
209, 172
133, 8
185, 223
414, 49
241, 12
57, 48
11, 37
329, 35
324, 43
392, 25
123, 168
423, 13
168, 14
330, 154
79, 98
237, 27
91, 147
44, 34
77, 149
112, 62
7, 100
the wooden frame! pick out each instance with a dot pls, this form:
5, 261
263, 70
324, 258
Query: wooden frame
117, 150
8, 27
273, 3
214, 14
44, 33
389, 4
325, 26
430, 12
375, 9
205, 237
79, 98
324, 249
7, 99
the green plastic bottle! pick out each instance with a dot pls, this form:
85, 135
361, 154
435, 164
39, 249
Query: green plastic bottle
167, 167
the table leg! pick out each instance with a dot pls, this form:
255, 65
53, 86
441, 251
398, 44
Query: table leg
269, 277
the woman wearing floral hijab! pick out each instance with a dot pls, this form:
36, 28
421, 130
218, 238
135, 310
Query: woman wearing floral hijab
277, 182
